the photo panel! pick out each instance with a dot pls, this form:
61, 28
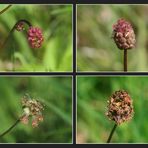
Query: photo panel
112, 109
112, 37
36, 37
36, 109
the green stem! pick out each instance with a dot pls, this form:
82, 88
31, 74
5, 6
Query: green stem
13, 29
5, 9
10, 128
111, 134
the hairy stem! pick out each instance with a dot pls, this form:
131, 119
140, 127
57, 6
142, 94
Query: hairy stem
11, 127
5, 9
125, 59
111, 134
13, 29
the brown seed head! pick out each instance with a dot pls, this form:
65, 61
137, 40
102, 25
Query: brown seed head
120, 107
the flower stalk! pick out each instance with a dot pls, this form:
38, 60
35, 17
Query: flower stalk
120, 109
32, 108
125, 60
5, 9
111, 133
10, 128
124, 37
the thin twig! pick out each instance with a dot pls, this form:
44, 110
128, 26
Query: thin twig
111, 134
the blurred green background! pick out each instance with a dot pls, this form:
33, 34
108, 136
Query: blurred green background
56, 52
92, 124
54, 92
96, 50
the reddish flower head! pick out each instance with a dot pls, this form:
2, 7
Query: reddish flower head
35, 37
122, 26
123, 34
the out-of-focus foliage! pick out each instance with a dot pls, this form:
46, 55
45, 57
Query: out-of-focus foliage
93, 126
96, 50
56, 52
54, 92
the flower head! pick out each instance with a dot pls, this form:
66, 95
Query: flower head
120, 108
35, 37
123, 34
20, 26
32, 108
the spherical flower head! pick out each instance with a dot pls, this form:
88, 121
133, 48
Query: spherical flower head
20, 26
123, 34
32, 108
120, 107
35, 37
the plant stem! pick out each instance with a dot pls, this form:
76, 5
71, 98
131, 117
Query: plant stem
111, 134
125, 59
5, 9
24, 21
10, 128
13, 29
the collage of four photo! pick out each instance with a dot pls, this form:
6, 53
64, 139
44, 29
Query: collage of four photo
54, 93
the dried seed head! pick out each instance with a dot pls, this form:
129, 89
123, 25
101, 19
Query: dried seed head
32, 108
120, 107
35, 37
123, 34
